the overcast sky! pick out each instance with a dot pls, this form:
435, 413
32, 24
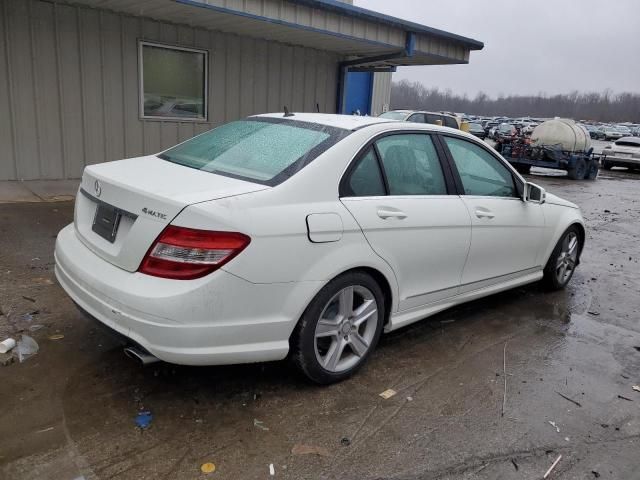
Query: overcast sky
552, 46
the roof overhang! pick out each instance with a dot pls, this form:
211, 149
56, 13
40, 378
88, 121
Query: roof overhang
365, 39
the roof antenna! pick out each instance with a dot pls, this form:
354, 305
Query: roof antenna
287, 113
318, 107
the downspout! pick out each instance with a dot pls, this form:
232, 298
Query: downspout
347, 65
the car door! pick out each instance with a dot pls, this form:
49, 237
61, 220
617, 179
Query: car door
506, 231
401, 196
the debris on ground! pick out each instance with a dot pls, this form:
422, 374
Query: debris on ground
345, 442
300, 449
29, 298
260, 424
272, 470
7, 344
409, 399
595, 474
56, 336
6, 359
26, 347
388, 393
624, 398
552, 467
35, 328
553, 424
143, 419
444, 322
570, 399
208, 467
636, 388
515, 465
594, 313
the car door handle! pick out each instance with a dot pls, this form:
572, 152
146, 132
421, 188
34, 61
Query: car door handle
480, 213
391, 213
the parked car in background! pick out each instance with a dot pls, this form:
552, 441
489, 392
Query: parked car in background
504, 130
595, 132
611, 132
305, 235
488, 126
477, 130
419, 116
624, 152
624, 130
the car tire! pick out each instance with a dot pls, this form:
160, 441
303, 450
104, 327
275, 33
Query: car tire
591, 170
563, 260
607, 165
522, 168
578, 171
328, 344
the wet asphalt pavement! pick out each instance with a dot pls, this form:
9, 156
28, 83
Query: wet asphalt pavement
69, 411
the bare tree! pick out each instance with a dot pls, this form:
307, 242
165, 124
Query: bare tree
604, 106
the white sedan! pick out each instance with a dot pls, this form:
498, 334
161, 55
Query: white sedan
305, 235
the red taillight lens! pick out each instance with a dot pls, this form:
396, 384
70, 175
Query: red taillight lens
186, 253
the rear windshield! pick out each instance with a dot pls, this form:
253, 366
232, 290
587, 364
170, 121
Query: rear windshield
259, 150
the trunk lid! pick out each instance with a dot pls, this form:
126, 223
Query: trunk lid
137, 198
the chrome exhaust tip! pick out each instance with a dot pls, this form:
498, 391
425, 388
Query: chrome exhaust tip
145, 357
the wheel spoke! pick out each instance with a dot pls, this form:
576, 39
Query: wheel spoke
572, 245
365, 312
346, 302
358, 344
332, 358
326, 328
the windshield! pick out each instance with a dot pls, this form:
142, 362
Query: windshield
260, 150
394, 115
475, 126
505, 127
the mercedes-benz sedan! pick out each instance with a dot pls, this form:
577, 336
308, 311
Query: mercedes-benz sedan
307, 236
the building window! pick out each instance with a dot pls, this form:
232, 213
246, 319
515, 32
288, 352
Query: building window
173, 82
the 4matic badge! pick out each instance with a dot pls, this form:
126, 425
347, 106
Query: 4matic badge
153, 213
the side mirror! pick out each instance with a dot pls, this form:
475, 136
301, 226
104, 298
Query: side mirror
534, 193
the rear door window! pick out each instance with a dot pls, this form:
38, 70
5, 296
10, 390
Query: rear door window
450, 122
411, 165
433, 118
418, 118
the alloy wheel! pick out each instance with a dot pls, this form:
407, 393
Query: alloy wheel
346, 328
567, 258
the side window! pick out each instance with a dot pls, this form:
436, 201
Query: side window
481, 173
417, 117
433, 118
411, 164
366, 179
450, 122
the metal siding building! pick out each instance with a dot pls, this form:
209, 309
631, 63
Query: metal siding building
70, 72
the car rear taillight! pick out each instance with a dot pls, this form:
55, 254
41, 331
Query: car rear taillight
186, 253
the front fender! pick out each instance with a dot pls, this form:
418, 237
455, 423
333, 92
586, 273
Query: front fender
558, 219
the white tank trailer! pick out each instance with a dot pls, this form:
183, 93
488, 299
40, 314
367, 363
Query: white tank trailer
563, 133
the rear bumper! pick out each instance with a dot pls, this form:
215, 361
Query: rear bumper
218, 319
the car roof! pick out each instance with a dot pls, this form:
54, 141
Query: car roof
348, 122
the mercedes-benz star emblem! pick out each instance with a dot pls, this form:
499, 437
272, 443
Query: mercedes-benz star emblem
97, 187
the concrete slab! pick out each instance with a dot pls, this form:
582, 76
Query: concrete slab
16, 192
38, 190
53, 190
